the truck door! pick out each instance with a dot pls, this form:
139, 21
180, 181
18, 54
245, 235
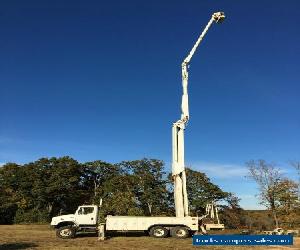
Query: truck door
86, 216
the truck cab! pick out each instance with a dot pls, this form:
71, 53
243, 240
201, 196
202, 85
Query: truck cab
86, 215
84, 219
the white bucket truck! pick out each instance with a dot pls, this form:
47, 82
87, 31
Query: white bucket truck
86, 217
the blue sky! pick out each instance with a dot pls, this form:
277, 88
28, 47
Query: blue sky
102, 80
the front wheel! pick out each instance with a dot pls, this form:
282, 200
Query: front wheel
67, 232
158, 232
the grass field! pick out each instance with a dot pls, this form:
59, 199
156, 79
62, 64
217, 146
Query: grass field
42, 237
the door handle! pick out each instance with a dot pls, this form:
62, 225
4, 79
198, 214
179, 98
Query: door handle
92, 218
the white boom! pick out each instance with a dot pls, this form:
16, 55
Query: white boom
178, 166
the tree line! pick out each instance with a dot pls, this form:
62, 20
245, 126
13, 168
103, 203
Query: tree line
39, 190
36, 191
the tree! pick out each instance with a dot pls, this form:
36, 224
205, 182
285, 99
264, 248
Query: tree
201, 191
9, 175
233, 216
287, 195
296, 165
54, 184
150, 186
276, 193
119, 197
288, 204
96, 173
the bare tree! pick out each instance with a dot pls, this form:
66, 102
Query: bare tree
268, 177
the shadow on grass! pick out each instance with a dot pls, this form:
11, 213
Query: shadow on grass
127, 234
114, 234
85, 235
17, 245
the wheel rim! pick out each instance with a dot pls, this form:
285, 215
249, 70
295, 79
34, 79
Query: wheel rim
159, 232
181, 232
65, 232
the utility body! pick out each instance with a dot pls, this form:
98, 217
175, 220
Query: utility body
86, 217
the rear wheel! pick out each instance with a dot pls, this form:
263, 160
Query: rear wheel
66, 232
159, 232
180, 232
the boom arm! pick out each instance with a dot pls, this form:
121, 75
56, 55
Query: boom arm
217, 17
178, 166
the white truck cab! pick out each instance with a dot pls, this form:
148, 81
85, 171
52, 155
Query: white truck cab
84, 219
86, 215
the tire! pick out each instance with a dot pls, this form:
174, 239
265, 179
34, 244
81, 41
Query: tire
180, 232
67, 232
158, 232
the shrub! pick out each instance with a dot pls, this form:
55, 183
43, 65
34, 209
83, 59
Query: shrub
31, 216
